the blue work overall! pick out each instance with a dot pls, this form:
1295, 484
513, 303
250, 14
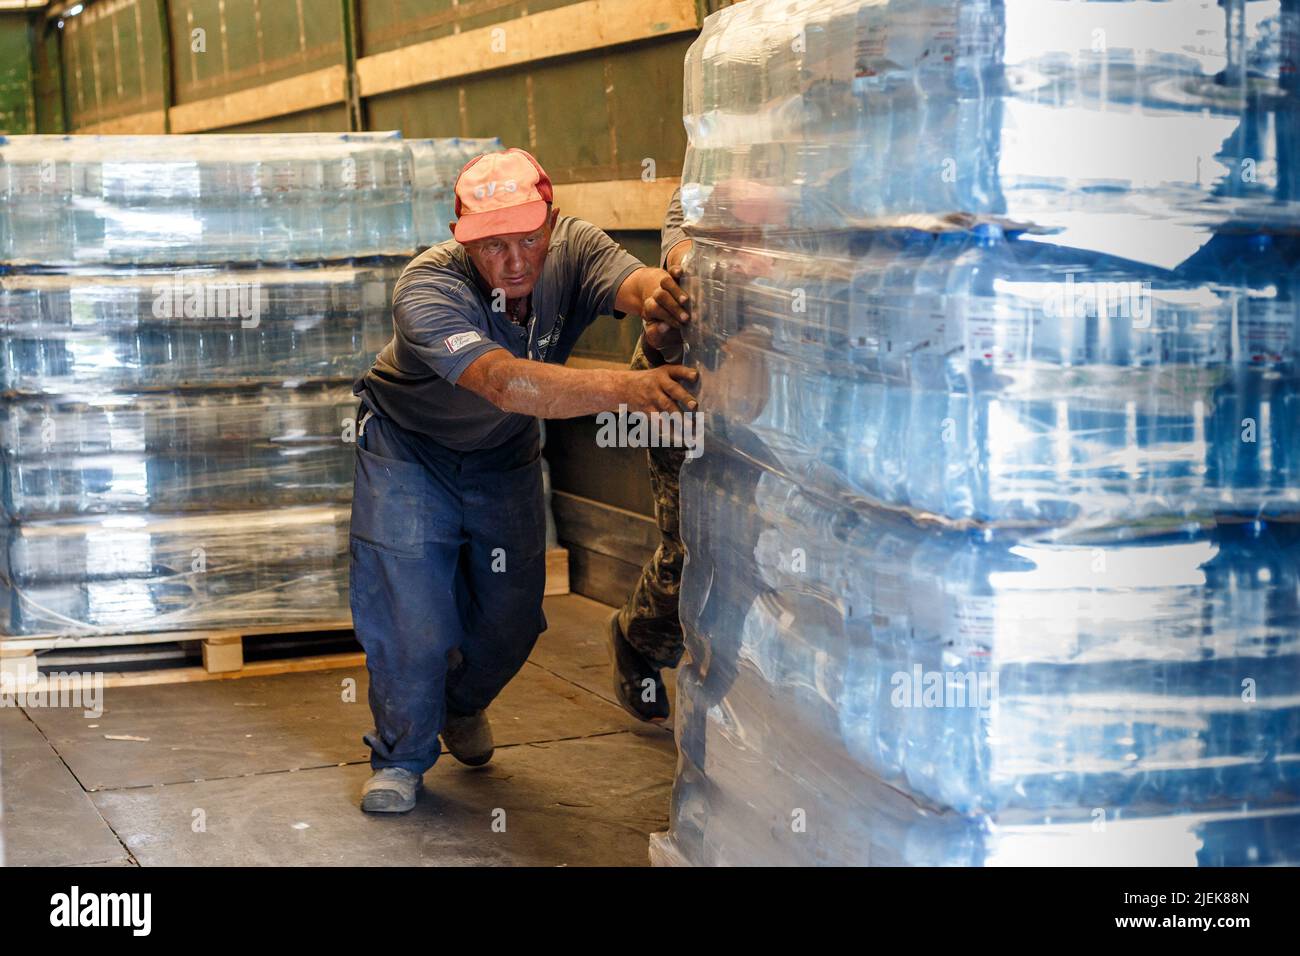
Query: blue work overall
448, 554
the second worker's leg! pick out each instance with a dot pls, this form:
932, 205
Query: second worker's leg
646, 633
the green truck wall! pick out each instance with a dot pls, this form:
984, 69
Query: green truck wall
17, 82
248, 43
111, 61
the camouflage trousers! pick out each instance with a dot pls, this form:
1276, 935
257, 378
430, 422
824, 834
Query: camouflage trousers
649, 618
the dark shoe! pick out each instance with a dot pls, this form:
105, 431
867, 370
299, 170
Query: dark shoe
390, 790
635, 679
469, 738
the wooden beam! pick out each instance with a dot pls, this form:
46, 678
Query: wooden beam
557, 572
191, 675
308, 91
617, 203
61, 641
151, 123
221, 654
18, 668
590, 25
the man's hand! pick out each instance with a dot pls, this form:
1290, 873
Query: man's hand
657, 389
654, 295
663, 333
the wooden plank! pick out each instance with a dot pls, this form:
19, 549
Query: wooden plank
615, 476
557, 571
294, 95
151, 123
576, 28
192, 675
618, 203
17, 668
603, 578
50, 641
604, 529
222, 654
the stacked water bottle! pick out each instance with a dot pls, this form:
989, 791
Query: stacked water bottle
995, 538
181, 320
437, 164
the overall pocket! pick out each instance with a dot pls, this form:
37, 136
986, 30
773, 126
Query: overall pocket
392, 502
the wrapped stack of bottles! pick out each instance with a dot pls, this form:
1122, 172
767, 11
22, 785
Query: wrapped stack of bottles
994, 542
437, 164
181, 319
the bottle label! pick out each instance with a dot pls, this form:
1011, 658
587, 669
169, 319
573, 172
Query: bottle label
995, 332
872, 37
1266, 330
974, 619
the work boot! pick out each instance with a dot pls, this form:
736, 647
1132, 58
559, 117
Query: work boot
631, 673
390, 790
468, 738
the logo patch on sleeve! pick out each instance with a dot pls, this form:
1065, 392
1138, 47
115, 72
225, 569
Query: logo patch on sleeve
462, 339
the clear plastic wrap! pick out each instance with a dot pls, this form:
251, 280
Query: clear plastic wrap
993, 546
861, 689
176, 451
125, 573
206, 198
87, 331
983, 378
437, 163
1132, 127
181, 319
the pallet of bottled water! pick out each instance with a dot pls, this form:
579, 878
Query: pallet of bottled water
125, 573
984, 376
865, 690
1133, 127
181, 320
97, 330
209, 198
216, 450
995, 537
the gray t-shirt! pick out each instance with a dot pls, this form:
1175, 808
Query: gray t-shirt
672, 231
443, 321
671, 234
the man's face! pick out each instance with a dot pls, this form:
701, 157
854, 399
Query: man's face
513, 262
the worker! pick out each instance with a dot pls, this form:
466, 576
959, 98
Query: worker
646, 633
448, 558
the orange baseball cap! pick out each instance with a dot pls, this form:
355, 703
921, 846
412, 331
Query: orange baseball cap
500, 193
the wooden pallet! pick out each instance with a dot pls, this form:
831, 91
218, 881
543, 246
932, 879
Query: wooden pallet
223, 649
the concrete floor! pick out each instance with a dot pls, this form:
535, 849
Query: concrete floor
268, 770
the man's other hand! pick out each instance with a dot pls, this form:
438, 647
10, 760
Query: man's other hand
661, 333
655, 295
658, 389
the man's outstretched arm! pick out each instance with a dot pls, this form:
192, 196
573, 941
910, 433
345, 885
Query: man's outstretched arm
553, 391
